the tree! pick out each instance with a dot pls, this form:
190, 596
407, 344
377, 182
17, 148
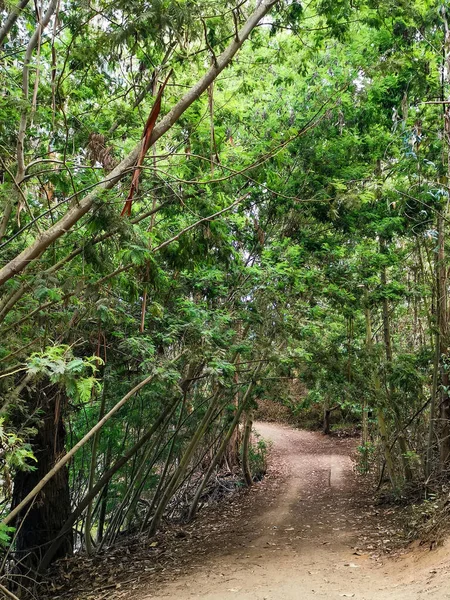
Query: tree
287, 225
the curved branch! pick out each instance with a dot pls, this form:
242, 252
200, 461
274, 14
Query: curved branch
65, 459
78, 210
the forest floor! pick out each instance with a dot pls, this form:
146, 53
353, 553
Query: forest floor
309, 530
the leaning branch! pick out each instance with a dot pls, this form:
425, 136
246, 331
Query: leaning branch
15, 296
46, 560
78, 210
65, 459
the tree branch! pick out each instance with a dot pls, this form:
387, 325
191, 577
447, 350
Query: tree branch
65, 459
11, 19
78, 210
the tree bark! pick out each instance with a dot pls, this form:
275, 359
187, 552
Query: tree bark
38, 526
382, 429
65, 459
104, 499
442, 304
215, 461
184, 462
326, 427
365, 403
443, 347
231, 453
87, 524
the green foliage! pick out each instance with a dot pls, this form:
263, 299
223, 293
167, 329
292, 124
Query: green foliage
257, 455
15, 452
364, 463
323, 273
5, 535
77, 375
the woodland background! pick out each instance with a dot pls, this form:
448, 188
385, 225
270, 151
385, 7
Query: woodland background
206, 204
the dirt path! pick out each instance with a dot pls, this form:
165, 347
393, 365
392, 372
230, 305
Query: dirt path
300, 539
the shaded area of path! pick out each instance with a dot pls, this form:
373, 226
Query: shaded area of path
302, 537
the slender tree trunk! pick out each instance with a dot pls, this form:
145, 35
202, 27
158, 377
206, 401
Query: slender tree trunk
365, 435
391, 392
104, 479
382, 429
11, 19
232, 450
443, 347
442, 304
365, 405
167, 462
434, 390
65, 459
119, 516
184, 462
326, 416
134, 490
87, 525
220, 451
231, 455
385, 443
431, 283
434, 327
246, 442
160, 485
104, 499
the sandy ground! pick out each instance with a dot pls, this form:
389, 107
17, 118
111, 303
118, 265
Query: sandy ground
301, 539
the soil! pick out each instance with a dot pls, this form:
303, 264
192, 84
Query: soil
309, 530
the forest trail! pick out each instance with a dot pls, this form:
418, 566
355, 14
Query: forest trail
297, 539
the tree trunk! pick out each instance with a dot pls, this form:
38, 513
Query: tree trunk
443, 347
232, 450
442, 270
11, 19
365, 403
104, 499
65, 458
365, 436
88, 521
385, 443
402, 442
38, 526
98, 487
434, 394
184, 462
326, 417
215, 461
246, 470
382, 429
